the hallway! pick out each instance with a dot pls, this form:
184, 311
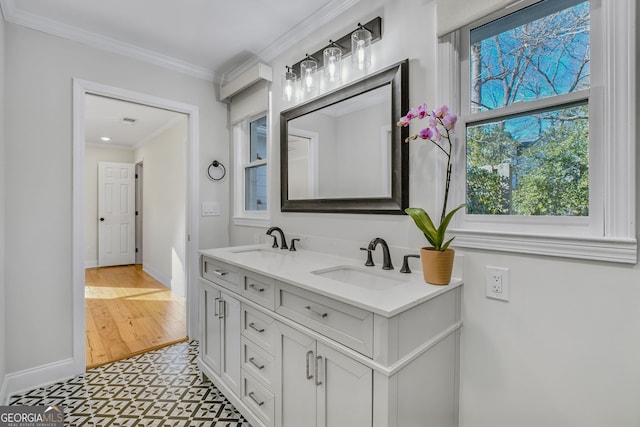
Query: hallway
128, 312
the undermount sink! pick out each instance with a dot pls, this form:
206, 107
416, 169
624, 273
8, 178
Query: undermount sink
261, 251
374, 280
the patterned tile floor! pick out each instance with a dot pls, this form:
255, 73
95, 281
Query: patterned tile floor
163, 388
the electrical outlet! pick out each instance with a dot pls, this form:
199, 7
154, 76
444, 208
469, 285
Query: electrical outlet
498, 283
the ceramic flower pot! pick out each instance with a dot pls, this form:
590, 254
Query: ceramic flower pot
437, 265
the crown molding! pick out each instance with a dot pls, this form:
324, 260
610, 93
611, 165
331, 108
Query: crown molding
305, 28
49, 26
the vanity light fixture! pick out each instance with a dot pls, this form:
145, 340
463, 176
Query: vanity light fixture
357, 43
332, 63
361, 49
105, 139
289, 80
308, 69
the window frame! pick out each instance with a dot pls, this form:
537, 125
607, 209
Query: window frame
241, 132
608, 233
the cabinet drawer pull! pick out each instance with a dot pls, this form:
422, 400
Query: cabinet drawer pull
309, 353
253, 326
253, 362
317, 313
255, 288
219, 272
318, 362
255, 400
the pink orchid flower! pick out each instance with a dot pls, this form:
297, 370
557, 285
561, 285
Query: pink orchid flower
421, 111
441, 111
449, 121
427, 133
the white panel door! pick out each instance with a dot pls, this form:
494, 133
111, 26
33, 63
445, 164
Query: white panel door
116, 214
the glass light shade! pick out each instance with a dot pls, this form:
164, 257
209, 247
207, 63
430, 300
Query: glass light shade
289, 85
332, 64
361, 49
308, 69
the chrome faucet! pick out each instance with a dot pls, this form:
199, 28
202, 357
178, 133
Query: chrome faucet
386, 257
282, 238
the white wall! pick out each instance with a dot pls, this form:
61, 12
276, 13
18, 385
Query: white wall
2, 219
93, 155
163, 205
565, 350
38, 274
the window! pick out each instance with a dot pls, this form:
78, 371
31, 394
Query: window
535, 99
251, 155
529, 153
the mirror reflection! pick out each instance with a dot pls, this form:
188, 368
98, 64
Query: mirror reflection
342, 153
343, 150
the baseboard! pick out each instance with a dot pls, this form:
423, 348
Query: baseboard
4, 397
156, 274
29, 379
91, 264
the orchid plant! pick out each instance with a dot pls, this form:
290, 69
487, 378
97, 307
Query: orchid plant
441, 123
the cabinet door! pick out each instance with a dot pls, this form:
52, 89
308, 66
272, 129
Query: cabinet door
230, 342
298, 400
345, 397
212, 337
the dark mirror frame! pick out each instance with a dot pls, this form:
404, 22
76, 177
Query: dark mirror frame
398, 76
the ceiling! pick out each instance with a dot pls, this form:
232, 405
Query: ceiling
212, 39
126, 124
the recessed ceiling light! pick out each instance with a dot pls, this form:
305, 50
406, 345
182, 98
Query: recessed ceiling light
105, 139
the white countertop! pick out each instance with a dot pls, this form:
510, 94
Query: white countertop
297, 268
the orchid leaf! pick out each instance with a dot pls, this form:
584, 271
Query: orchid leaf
435, 236
447, 243
422, 220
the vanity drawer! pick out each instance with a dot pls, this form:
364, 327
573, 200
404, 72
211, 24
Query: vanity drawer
344, 323
259, 328
223, 274
261, 290
258, 362
260, 400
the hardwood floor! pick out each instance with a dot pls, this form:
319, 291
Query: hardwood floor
128, 312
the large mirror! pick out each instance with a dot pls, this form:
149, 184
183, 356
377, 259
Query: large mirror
343, 153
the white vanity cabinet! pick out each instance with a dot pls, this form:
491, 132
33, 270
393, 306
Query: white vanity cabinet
291, 349
321, 387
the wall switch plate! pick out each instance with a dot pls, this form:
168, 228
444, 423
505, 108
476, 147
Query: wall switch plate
210, 208
498, 283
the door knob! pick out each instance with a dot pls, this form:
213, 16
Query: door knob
101, 219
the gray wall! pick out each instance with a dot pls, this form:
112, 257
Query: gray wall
3, 350
39, 72
163, 205
565, 350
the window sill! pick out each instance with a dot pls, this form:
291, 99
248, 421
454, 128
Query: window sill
251, 222
598, 249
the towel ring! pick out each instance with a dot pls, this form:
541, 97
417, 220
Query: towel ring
216, 164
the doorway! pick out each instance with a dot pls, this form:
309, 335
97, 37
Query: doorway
133, 307
188, 260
